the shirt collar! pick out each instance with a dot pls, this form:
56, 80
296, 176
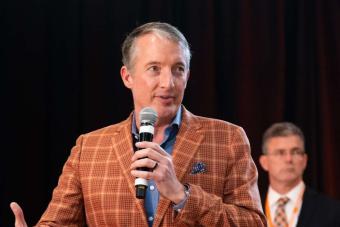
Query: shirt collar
293, 194
176, 121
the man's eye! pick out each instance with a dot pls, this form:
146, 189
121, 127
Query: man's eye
179, 69
281, 152
153, 68
297, 152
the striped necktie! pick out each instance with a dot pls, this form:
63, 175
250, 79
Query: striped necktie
280, 218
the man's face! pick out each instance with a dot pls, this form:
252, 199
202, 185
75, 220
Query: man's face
285, 160
158, 75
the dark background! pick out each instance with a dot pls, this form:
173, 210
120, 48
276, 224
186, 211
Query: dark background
254, 63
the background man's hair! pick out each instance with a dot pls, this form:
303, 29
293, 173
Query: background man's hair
163, 29
281, 129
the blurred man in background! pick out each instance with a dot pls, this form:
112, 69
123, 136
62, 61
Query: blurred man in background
289, 202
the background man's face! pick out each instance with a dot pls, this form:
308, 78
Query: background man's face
284, 160
158, 76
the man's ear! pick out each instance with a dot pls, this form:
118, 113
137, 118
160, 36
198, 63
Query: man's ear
188, 75
126, 77
305, 161
264, 162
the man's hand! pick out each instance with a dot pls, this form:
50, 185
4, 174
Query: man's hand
19, 215
164, 174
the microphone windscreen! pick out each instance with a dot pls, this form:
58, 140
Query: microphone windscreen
149, 115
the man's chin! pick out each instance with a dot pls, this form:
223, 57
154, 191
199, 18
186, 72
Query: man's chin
290, 178
166, 111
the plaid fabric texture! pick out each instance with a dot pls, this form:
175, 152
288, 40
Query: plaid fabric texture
97, 189
280, 218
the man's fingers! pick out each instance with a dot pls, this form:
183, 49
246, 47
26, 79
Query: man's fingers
144, 162
147, 153
150, 150
151, 145
19, 215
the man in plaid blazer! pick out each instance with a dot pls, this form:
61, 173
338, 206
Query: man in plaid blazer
202, 170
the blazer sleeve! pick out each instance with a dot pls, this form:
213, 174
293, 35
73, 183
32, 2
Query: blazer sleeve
240, 205
66, 207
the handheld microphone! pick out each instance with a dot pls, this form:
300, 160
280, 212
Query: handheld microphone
148, 118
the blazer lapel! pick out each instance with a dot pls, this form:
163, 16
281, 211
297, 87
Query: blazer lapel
187, 143
188, 140
307, 209
123, 150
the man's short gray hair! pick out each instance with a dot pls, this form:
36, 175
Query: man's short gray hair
163, 29
281, 129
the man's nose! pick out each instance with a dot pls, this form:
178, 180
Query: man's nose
166, 79
288, 156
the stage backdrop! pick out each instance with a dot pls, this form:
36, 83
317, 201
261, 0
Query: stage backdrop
254, 63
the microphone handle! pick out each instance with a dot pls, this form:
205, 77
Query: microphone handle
140, 183
145, 136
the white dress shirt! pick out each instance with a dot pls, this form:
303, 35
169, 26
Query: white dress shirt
295, 200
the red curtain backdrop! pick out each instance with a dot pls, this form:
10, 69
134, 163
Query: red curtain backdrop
254, 63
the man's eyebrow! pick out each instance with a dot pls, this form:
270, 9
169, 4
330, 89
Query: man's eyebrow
296, 148
279, 149
180, 63
152, 63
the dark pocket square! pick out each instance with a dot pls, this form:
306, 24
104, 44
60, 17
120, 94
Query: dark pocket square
198, 167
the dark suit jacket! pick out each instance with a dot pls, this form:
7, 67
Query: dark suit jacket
317, 210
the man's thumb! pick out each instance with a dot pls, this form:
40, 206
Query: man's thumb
19, 215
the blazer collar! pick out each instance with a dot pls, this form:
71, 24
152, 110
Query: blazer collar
123, 151
188, 140
308, 207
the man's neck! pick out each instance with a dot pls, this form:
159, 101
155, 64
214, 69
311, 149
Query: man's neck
159, 134
160, 127
284, 188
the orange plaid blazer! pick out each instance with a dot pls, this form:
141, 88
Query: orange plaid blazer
97, 189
